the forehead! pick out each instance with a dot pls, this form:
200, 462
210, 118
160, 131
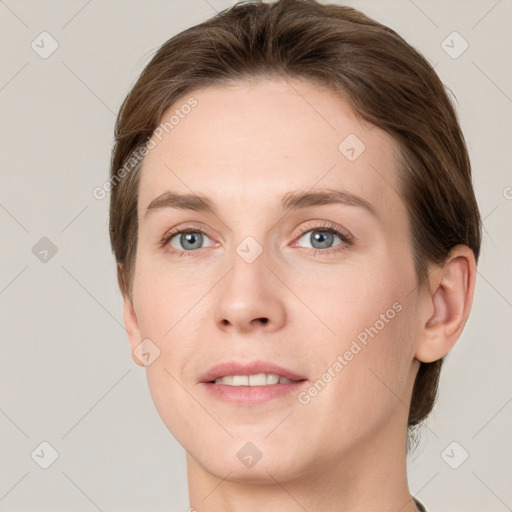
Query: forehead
252, 142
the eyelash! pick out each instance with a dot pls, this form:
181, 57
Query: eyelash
346, 239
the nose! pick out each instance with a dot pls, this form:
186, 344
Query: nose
250, 297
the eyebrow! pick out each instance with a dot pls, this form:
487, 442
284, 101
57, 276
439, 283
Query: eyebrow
294, 200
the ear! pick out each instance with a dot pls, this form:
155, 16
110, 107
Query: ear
132, 326
451, 289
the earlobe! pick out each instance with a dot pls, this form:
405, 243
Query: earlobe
132, 327
451, 296
131, 323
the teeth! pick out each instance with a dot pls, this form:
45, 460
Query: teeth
272, 379
260, 379
240, 380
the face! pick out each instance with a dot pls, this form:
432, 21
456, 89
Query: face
296, 253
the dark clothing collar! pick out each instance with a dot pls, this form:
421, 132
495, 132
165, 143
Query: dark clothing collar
421, 508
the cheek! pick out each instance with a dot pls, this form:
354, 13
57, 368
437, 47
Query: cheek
166, 298
371, 374
168, 314
172, 400
363, 366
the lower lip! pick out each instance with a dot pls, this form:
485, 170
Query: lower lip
252, 395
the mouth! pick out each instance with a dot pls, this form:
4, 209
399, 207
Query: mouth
251, 383
250, 373
258, 379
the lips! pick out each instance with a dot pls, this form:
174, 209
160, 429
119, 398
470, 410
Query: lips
248, 368
228, 383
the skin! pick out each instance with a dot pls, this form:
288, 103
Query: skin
245, 146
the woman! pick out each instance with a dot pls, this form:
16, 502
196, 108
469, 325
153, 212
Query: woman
296, 235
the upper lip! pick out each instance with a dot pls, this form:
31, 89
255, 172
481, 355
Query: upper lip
247, 368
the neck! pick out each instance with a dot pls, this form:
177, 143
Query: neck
370, 476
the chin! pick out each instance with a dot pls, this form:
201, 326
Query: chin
252, 462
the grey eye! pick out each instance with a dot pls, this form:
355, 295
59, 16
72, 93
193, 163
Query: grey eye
320, 238
188, 241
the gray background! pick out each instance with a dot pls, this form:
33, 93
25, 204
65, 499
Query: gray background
66, 374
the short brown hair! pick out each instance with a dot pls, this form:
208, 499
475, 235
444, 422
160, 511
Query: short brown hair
385, 81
